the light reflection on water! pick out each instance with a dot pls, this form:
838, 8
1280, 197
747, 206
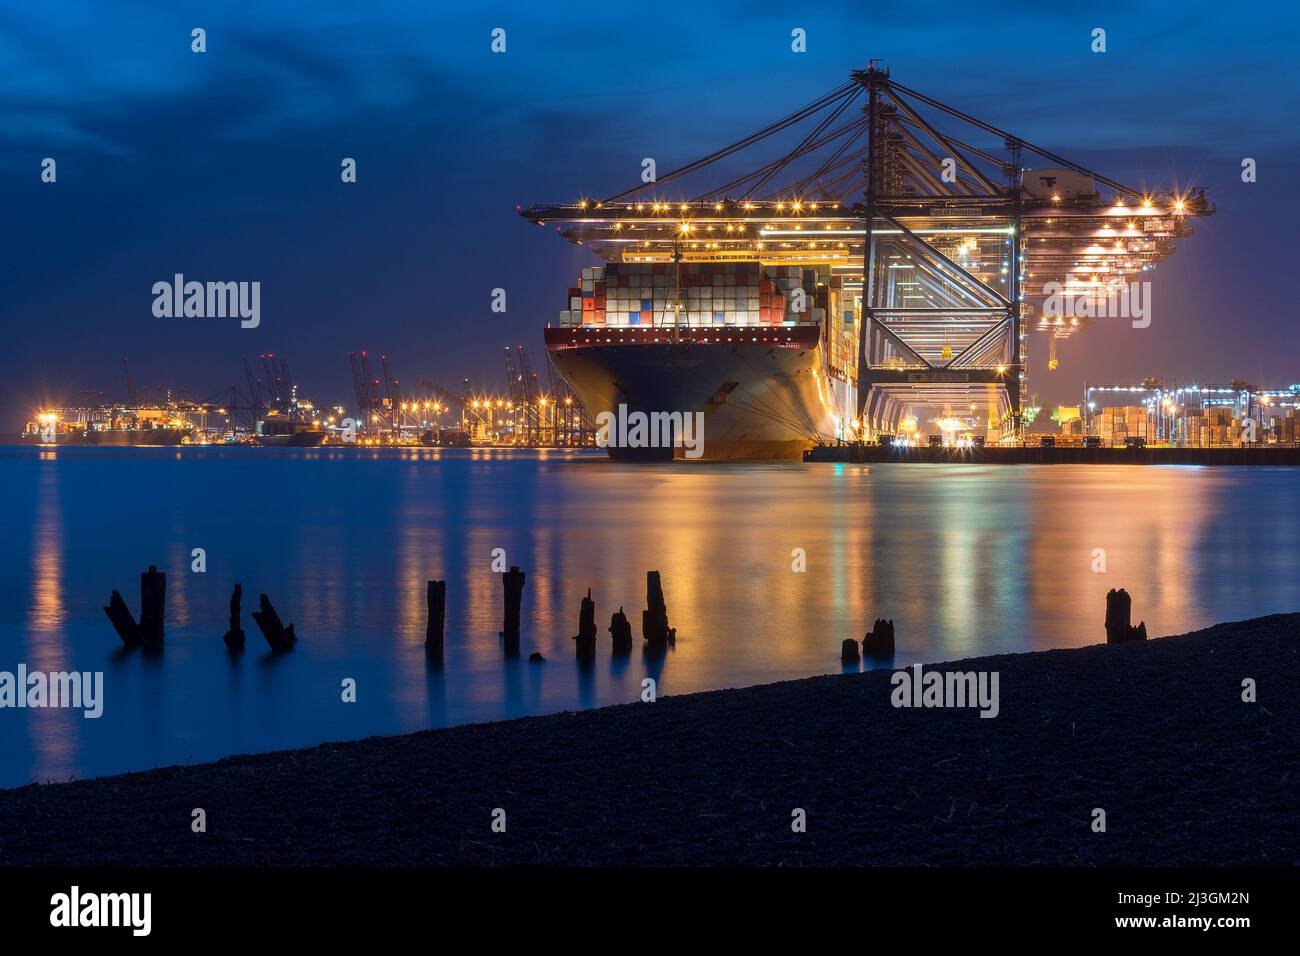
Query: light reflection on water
966, 559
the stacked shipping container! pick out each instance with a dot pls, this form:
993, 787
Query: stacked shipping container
1118, 422
710, 294
1218, 428
1286, 427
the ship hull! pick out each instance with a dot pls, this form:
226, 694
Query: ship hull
761, 394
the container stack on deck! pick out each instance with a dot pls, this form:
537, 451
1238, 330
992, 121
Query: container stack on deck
725, 293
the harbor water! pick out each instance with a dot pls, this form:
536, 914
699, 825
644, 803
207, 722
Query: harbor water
766, 569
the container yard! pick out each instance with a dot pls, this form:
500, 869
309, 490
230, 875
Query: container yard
1235, 424
1236, 415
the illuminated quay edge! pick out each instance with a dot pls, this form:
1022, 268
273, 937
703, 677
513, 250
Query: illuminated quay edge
965, 241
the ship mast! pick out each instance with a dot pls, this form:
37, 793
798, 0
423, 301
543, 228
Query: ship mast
677, 290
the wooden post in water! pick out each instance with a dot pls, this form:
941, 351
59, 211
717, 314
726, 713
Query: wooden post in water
620, 630
849, 651
513, 580
279, 637
586, 636
878, 643
654, 620
234, 637
123, 620
153, 599
1119, 611
436, 599
1119, 619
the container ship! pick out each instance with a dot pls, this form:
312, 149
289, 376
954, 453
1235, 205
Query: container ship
761, 354
279, 431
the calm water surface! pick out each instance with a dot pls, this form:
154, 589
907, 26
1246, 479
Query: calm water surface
966, 559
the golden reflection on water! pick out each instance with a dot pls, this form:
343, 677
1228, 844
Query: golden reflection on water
1151, 527
54, 733
966, 560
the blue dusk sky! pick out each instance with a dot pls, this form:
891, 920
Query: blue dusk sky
225, 166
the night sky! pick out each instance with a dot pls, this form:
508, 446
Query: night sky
225, 166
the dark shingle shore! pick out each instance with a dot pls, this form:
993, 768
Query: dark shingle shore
1156, 734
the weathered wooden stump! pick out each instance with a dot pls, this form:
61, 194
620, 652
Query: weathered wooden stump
620, 631
123, 620
849, 651
234, 637
536, 658
513, 580
879, 642
1119, 619
435, 597
153, 600
654, 620
586, 636
279, 637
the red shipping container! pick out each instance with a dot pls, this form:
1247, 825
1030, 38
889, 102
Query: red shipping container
588, 305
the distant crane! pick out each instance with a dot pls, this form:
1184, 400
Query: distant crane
130, 386
512, 377
527, 377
